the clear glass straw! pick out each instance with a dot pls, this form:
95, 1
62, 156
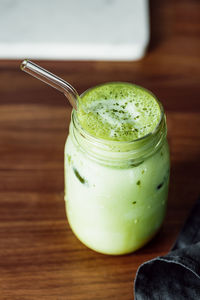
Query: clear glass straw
51, 79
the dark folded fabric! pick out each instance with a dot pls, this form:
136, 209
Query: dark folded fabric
176, 275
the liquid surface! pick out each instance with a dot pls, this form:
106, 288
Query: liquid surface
118, 111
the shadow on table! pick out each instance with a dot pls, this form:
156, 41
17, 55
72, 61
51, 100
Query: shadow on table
160, 22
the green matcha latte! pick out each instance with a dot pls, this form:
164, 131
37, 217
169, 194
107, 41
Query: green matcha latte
116, 168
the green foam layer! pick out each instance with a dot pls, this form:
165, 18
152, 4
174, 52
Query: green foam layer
118, 111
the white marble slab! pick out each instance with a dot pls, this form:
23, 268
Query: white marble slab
74, 29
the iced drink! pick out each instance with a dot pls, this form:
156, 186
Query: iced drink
116, 168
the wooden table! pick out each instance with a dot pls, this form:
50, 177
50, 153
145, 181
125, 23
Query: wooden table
40, 258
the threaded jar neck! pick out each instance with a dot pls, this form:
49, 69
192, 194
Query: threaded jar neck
121, 154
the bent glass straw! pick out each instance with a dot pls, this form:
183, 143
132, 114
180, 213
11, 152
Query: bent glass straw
51, 79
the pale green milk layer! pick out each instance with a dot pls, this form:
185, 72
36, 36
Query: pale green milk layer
118, 111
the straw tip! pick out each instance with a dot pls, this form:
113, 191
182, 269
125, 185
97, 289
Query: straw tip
23, 64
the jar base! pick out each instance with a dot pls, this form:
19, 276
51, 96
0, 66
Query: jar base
112, 252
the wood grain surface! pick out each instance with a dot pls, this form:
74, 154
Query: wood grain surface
40, 258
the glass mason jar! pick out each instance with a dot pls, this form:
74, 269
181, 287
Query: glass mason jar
116, 192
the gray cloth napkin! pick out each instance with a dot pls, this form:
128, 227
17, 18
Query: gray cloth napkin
176, 275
